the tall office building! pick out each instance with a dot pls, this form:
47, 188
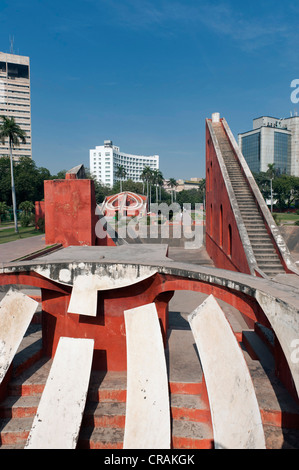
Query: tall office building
15, 99
105, 159
272, 140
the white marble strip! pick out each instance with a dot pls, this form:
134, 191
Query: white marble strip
84, 294
58, 419
147, 410
16, 312
234, 408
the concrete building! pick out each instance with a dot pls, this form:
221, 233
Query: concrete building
15, 99
272, 140
192, 183
105, 159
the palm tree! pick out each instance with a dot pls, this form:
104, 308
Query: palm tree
172, 183
121, 173
156, 181
146, 175
160, 179
15, 135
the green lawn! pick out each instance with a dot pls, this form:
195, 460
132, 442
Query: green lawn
9, 234
287, 217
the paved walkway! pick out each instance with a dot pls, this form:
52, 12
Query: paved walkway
17, 249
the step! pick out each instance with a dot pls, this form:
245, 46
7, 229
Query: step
191, 435
266, 255
239, 192
252, 218
100, 438
104, 414
272, 272
256, 229
190, 407
281, 438
32, 381
15, 431
248, 204
270, 266
108, 386
19, 407
256, 238
254, 226
30, 349
258, 349
277, 407
184, 369
267, 245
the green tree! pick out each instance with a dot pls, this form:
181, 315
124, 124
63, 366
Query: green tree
262, 181
27, 207
190, 196
3, 209
15, 135
27, 216
121, 173
157, 178
146, 176
29, 180
286, 190
172, 183
5, 181
60, 175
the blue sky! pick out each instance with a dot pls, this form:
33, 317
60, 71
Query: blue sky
147, 73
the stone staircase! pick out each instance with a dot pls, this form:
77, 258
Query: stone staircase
104, 416
191, 428
266, 256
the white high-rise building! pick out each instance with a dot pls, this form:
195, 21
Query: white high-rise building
15, 99
105, 159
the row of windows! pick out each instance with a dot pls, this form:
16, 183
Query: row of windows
251, 151
282, 151
9, 103
14, 84
14, 94
124, 158
19, 111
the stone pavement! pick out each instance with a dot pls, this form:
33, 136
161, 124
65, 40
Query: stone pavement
17, 249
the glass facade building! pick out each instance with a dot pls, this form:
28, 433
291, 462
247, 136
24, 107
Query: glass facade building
270, 141
282, 152
251, 151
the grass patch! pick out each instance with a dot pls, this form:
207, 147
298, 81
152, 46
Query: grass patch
287, 217
9, 234
6, 223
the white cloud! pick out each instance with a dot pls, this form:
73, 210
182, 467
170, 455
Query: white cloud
249, 32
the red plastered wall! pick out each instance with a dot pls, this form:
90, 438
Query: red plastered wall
70, 212
223, 244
